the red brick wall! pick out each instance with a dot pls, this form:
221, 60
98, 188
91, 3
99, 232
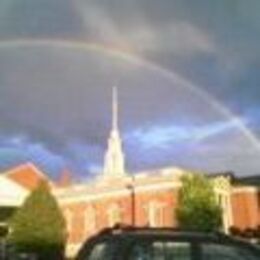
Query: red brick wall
167, 198
245, 208
77, 232
76, 222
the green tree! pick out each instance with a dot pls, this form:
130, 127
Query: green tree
198, 208
38, 226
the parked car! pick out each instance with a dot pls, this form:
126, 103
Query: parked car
165, 244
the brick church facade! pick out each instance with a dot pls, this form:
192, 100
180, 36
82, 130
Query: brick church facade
140, 199
143, 199
147, 200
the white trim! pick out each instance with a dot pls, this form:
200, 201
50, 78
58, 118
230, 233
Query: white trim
87, 197
157, 187
142, 175
221, 191
90, 197
244, 189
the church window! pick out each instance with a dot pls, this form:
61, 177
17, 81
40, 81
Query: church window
68, 215
155, 214
114, 215
90, 219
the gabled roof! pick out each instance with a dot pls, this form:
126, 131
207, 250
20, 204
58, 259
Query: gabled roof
27, 175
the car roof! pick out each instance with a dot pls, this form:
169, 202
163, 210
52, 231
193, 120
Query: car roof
158, 231
153, 233
121, 233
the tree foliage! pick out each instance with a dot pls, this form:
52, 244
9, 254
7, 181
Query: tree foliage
38, 226
198, 208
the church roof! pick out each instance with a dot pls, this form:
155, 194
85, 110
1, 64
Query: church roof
27, 175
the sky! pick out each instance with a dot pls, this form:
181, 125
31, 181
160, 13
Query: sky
187, 74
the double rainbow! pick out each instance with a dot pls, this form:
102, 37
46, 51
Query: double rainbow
130, 57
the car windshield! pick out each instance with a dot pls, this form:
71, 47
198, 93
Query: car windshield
160, 250
226, 252
103, 250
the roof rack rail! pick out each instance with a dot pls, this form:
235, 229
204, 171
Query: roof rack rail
121, 227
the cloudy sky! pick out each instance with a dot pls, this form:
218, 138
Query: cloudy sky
187, 74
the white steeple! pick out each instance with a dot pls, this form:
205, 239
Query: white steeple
114, 165
115, 110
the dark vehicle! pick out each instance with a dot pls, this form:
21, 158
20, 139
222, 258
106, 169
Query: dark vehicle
165, 244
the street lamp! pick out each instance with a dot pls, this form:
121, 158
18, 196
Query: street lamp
131, 188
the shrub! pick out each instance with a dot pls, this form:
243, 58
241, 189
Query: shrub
198, 209
38, 227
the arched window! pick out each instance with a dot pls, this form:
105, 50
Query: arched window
114, 215
155, 214
224, 201
151, 214
161, 215
90, 220
68, 215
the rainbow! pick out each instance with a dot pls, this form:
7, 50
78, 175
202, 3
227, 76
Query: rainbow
129, 56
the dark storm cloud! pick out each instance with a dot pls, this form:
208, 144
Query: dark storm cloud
56, 91
211, 42
61, 104
42, 18
57, 99
247, 80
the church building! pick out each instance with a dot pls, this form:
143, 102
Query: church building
140, 199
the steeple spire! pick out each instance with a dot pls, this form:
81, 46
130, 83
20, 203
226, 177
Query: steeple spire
114, 163
115, 110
